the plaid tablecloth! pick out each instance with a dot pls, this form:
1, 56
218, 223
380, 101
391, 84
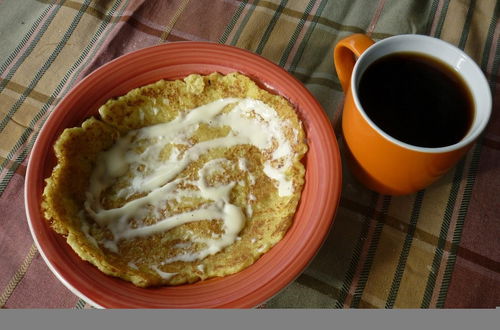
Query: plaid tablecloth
437, 248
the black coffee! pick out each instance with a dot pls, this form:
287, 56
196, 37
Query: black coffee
417, 99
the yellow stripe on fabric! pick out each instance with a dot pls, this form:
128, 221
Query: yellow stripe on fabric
19, 89
281, 35
9, 137
418, 266
253, 32
434, 205
10, 98
72, 49
18, 276
388, 253
97, 9
453, 24
36, 74
371, 302
291, 11
26, 140
384, 265
243, 13
401, 209
369, 250
30, 107
439, 279
44, 49
480, 24
424, 243
58, 68
304, 25
405, 251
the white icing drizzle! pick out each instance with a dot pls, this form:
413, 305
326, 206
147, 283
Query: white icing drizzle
164, 275
183, 245
249, 210
86, 230
262, 248
250, 122
242, 164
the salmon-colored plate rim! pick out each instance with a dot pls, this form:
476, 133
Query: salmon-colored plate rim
248, 288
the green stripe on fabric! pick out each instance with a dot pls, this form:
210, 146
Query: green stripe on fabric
46, 65
432, 14
496, 64
322, 20
438, 255
270, 26
307, 36
80, 304
495, 68
25, 39
470, 179
489, 39
24, 137
330, 83
318, 285
230, 26
436, 264
405, 251
295, 35
372, 249
30, 48
349, 275
467, 23
457, 235
244, 23
471, 175
444, 11
350, 28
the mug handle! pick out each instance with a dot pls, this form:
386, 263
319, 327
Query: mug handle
344, 56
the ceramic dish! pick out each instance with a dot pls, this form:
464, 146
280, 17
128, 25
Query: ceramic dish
248, 288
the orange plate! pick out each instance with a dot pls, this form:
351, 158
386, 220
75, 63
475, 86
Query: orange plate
248, 288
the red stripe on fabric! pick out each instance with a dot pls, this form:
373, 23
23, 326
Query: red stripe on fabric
41, 289
437, 16
490, 143
473, 287
479, 259
221, 10
375, 18
481, 232
15, 237
493, 50
363, 255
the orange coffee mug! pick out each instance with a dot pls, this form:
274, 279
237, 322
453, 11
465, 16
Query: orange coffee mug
380, 161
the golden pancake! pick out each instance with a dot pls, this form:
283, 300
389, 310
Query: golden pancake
179, 181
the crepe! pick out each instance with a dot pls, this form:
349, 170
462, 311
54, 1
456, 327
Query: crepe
179, 181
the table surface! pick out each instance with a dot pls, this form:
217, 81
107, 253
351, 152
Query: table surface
437, 248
